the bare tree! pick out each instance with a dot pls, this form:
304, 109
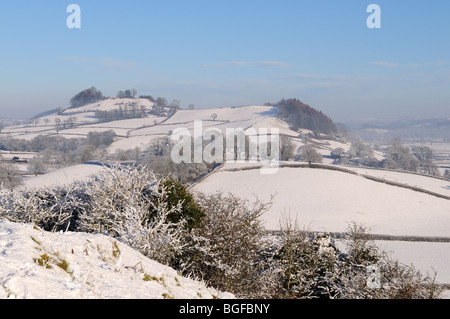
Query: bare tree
71, 121
308, 153
399, 156
425, 156
175, 104
37, 166
58, 125
287, 148
9, 176
35, 121
86, 153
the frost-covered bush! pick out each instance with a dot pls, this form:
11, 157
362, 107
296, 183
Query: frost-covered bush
312, 267
308, 264
184, 173
130, 203
396, 280
51, 208
174, 194
224, 249
308, 153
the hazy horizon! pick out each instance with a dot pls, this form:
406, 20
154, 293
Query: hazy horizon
216, 54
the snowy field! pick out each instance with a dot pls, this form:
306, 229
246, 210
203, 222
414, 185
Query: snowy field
42, 265
329, 200
325, 200
63, 176
437, 185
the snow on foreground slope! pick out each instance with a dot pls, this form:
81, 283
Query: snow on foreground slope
84, 266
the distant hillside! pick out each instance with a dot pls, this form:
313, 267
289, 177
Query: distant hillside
300, 115
385, 130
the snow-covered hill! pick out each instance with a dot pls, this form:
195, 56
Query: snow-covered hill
42, 265
138, 132
81, 117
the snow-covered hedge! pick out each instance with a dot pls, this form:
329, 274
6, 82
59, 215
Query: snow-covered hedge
224, 249
128, 203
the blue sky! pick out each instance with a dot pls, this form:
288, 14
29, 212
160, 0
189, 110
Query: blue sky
222, 53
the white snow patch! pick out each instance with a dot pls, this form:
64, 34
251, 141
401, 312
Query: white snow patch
91, 266
329, 200
63, 176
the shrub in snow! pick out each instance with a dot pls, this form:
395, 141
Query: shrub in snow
396, 281
309, 265
447, 174
298, 264
131, 204
224, 249
128, 203
312, 267
50, 208
174, 194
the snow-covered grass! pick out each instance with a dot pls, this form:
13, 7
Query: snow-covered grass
132, 142
436, 185
43, 265
63, 176
425, 256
